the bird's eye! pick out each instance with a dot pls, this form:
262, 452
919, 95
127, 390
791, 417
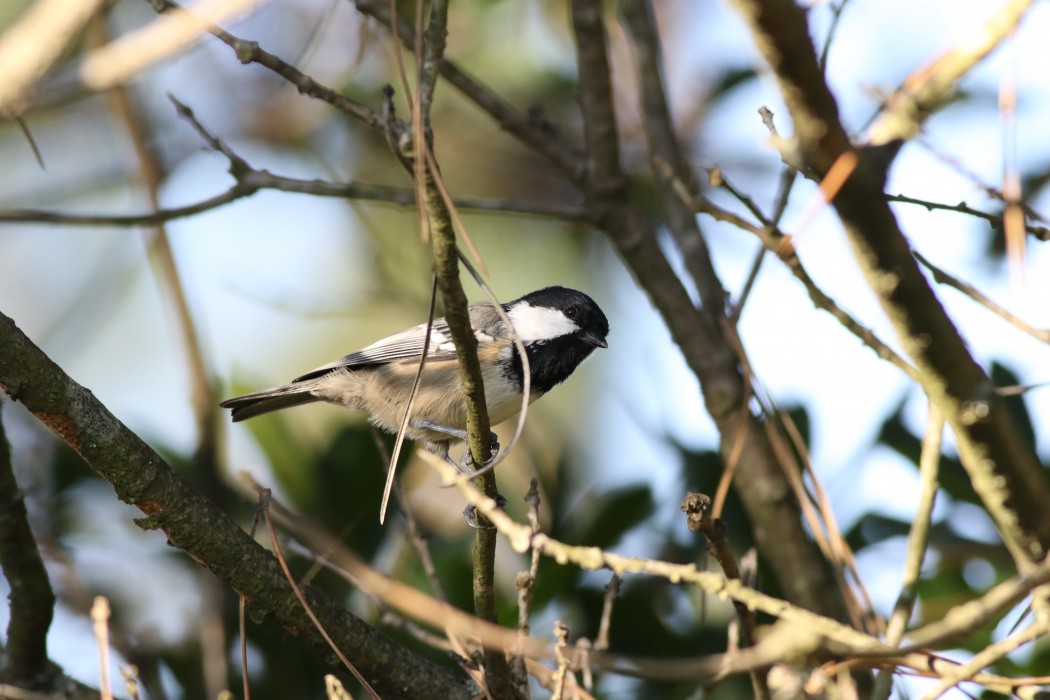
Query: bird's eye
572, 311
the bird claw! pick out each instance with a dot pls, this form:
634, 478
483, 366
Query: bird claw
470, 514
466, 462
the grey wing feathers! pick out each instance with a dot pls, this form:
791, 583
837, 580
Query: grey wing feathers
404, 346
408, 344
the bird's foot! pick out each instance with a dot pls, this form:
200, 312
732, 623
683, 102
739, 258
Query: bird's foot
470, 514
466, 462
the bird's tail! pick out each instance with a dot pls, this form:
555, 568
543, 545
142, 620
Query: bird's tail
260, 402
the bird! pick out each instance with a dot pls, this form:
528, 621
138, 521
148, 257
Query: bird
559, 328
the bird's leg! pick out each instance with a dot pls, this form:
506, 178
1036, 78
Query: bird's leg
421, 424
465, 464
470, 514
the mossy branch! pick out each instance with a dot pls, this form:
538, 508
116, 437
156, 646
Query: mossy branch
197, 526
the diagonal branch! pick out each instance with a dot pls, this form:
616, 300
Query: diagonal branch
533, 133
32, 44
942, 277
251, 52
665, 148
768, 498
194, 524
927, 89
1005, 471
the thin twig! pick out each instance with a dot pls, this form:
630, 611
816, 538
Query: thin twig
942, 277
562, 633
242, 623
995, 220
250, 52
774, 240
525, 584
100, 624
961, 168
264, 507
545, 677
836, 15
814, 505
986, 657
929, 461
612, 589
788, 175
415, 535
399, 441
843, 553
252, 181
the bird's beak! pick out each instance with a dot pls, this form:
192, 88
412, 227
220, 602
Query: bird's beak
594, 339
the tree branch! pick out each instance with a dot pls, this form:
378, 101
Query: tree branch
960, 621
250, 52
32, 602
664, 148
768, 498
535, 134
927, 89
446, 270
194, 524
1005, 471
697, 508
994, 220
774, 240
252, 181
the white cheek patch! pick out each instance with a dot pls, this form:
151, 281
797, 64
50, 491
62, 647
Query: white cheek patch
536, 323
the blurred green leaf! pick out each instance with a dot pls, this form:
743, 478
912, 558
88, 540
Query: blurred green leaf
951, 476
622, 509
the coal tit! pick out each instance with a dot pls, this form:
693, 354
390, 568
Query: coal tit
559, 328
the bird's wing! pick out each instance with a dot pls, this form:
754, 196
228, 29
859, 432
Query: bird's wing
404, 346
